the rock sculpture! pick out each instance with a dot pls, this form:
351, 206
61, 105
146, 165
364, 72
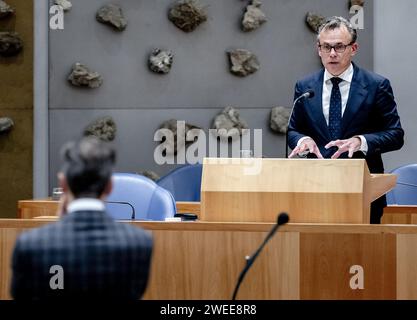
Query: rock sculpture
81, 76
5, 10
357, 3
149, 174
253, 17
10, 43
314, 21
65, 4
230, 120
243, 62
279, 119
160, 61
6, 124
103, 128
112, 15
187, 15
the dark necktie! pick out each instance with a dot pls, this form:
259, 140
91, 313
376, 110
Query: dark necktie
335, 110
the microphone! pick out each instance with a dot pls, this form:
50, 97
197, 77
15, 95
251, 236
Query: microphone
306, 95
281, 219
122, 202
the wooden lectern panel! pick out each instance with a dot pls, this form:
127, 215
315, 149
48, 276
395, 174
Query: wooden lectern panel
310, 190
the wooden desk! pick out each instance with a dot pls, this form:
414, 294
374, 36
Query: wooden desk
197, 260
398, 214
28, 209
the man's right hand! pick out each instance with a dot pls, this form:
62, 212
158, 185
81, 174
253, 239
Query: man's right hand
309, 145
62, 205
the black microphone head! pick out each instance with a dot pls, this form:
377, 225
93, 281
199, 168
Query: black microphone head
310, 93
283, 218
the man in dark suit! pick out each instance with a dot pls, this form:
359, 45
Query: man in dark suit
86, 254
353, 113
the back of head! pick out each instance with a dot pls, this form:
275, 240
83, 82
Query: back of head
87, 166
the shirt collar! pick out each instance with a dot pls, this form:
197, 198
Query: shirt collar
86, 204
347, 75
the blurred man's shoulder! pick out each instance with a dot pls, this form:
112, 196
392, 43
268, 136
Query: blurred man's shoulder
39, 236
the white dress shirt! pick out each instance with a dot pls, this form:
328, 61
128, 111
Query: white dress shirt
86, 204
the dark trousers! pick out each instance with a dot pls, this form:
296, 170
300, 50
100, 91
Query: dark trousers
377, 210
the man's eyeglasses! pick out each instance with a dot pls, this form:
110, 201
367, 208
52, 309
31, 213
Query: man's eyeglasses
339, 48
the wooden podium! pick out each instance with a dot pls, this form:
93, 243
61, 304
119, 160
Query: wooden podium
309, 190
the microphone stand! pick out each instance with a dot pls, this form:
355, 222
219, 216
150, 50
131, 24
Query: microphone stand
307, 94
282, 219
122, 202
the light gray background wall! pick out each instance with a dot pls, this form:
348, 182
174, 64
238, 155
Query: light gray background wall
395, 44
40, 100
199, 85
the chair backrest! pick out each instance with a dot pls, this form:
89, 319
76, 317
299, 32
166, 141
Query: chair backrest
184, 182
150, 201
405, 193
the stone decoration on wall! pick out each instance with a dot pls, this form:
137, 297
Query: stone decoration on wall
230, 120
103, 128
81, 76
112, 15
10, 43
314, 21
187, 15
243, 62
149, 174
65, 4
5, 10
6, 124
356, 3
160, 61
179, 133
253, 17
279, 119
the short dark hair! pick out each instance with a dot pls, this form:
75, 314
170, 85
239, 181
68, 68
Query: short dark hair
88, 166
335, 23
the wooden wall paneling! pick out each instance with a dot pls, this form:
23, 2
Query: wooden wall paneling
407, 266
326, 259
208, 264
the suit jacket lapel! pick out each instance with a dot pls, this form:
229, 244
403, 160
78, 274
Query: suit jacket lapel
357, 95
316, 106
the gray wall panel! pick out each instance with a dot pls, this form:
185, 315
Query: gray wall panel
199, 77
395, 58
199, 84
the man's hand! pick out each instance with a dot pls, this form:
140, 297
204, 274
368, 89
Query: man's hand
62, 205
306, 145
351, 145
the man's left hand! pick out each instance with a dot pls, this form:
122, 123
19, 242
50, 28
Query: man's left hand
348, 145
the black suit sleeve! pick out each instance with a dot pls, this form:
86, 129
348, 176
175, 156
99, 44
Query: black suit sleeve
390, 135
